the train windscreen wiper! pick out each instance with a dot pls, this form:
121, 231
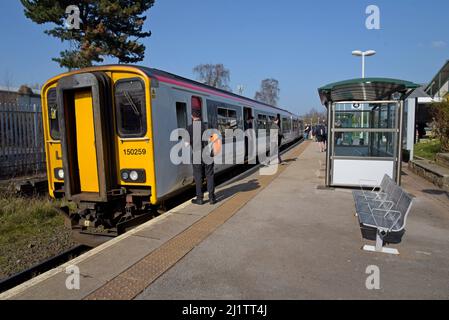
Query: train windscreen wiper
131, 102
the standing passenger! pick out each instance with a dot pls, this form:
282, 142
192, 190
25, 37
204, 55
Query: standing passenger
275, 126
201, 169
306, 132
321, 136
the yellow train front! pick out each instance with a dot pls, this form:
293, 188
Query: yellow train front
108, 139
98, 140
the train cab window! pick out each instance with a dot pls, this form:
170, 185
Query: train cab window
130, 108
53, 114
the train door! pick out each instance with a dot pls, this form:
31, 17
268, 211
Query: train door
248, 118
84, 102
85, 141
184, 171
262, 128
250, 139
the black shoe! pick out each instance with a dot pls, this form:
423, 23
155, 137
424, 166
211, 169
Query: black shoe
197, 201
212, 201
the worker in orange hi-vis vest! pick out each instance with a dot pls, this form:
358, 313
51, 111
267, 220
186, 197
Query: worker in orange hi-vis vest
202, 169
216, 144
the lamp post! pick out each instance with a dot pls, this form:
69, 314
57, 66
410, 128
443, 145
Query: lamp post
363, 54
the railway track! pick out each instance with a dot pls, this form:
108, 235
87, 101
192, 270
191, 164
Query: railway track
221, 180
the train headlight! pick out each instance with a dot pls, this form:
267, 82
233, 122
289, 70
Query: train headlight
134, 175
59, 173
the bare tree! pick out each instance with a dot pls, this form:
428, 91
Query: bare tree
314, 116
269, 92
215, 75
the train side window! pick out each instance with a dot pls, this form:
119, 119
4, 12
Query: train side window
226, 119
130, 106
52, 105
262, 122
181, 115
286, 125
222, 121
232, 118
197, 104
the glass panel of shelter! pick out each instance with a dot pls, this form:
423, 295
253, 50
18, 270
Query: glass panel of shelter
365, 115
365, 130
365, 144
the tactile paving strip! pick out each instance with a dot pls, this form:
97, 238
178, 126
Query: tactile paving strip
139, 276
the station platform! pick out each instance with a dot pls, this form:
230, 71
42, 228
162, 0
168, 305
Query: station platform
281, 236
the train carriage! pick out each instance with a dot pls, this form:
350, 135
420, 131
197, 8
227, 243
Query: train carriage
107, 138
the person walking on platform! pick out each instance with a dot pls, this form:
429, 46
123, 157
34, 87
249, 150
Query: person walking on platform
321, 136
201, 168
276, 139
307, 132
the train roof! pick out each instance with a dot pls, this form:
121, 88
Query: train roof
155, 73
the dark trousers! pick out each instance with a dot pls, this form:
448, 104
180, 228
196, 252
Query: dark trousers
199, 171
273, 146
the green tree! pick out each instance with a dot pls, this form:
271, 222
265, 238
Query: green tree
441, 123
107, 28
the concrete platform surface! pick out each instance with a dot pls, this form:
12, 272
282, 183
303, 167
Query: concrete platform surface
269, 237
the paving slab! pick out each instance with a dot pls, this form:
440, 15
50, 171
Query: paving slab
54, 288
109, 263
166, 229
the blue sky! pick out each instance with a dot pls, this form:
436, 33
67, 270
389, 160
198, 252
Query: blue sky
303, 44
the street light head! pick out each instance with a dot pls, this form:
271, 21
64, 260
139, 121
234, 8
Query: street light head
369, 53
357, 53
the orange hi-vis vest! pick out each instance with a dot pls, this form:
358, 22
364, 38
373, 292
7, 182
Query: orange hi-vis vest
215, 141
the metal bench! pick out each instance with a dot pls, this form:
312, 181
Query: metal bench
384, 187
386, 216
377, 198
388, 201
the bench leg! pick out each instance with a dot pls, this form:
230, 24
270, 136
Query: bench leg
379, 246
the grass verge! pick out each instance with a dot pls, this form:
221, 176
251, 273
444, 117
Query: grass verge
31, 230
428, 149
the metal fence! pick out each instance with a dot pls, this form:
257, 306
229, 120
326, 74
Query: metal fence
21, 140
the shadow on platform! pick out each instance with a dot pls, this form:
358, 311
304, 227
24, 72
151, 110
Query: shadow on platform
243, 187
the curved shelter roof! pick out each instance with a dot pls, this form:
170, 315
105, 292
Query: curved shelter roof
364, 89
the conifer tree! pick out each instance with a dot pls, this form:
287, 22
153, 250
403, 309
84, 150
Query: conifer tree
106, 28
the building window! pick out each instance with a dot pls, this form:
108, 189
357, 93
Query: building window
130, 106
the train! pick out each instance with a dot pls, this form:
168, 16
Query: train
107, 132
